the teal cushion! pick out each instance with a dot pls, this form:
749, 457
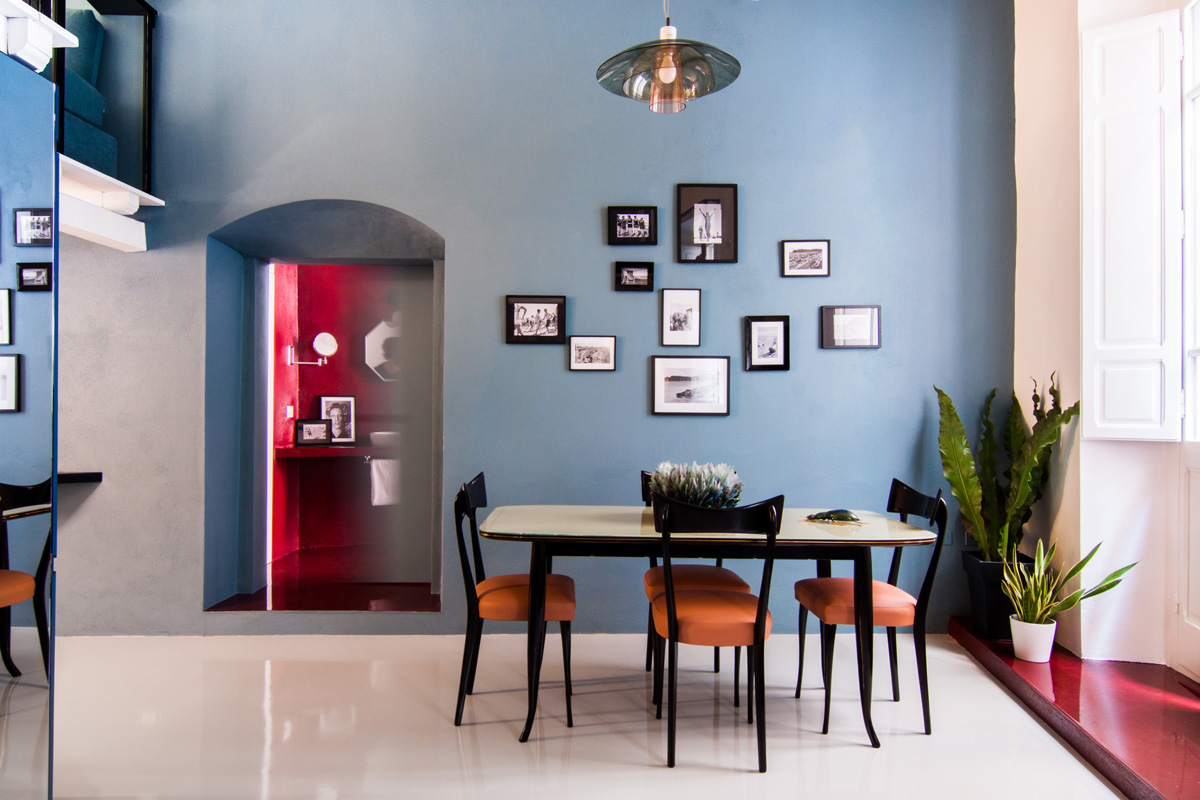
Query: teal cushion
82, 99
89, 145
85, 59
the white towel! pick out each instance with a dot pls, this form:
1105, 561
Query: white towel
385, 481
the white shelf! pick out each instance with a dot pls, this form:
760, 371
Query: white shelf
96, 207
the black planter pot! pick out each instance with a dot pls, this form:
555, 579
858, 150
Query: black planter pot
990, 608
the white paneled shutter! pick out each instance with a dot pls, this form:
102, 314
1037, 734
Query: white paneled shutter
1132, 230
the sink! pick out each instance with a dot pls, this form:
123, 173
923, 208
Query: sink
385, 438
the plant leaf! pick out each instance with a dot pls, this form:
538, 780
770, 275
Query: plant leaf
958, 467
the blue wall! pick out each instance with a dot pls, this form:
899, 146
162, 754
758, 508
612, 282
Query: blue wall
27, 181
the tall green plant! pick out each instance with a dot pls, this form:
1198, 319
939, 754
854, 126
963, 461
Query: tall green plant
996, 504
1034, 588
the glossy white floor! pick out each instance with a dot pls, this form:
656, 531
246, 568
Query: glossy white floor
349, 717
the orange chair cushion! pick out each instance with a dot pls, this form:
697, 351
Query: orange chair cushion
693, 576
714, 618
506, 597
15, 587
832, 601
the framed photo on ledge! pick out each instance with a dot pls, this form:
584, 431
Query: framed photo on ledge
767, 343
805, 259
681, 317
708, 222
849, 326
535, 319
633, 225
339, 410
593, 352
313, 432
696, 385
33, 227
633, 276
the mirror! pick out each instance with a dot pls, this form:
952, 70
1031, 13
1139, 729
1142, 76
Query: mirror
325, 345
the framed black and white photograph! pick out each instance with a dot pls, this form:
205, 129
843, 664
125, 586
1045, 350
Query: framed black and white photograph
849, 326
313, 432
339, 410
767, 346
593, 352
5, 316
633, 224
10, 383
690, 385
35, 276
804, 259
681, 317
633, 276
33, 227
708, 222
535, 319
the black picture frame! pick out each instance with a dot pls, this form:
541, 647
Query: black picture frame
633, 225
35, 276
768, 343
314, 433
10, 383
707, 216
535, 319
345, 403
5, 316
804, 258
592, 353
33, 227
850, 327
633, 276
680, 318
689, 385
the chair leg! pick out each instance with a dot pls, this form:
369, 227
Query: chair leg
922, 670
800, 668
659, 655
564, 631
478, 633
827, 642
716, 659
891, 640
672, 680
5, 642
470, 651
40, 600
737, 678
649, 638
760, 700
751, 660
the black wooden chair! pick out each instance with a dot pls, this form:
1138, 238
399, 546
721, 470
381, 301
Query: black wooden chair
502, 597
17, 586
714, 617
831, 600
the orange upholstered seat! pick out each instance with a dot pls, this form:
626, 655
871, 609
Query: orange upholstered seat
693, 576
506, 597
711, 618
15, 587
831, 600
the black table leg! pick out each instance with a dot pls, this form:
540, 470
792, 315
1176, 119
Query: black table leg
536, 641
864, 628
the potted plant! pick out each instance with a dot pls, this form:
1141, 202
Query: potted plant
996, 502
1034, 589
709, 485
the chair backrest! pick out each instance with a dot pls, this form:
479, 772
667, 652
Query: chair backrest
646, 498
674, 516
12, 496
907, 501
472, 496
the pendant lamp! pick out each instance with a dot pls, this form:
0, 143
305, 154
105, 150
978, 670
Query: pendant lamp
669, 72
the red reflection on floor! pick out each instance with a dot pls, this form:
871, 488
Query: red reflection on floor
324, 579
1137, 724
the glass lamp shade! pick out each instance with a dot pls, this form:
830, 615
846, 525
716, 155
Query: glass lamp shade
667, 73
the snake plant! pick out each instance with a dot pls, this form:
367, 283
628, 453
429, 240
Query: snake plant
996, 504
709, 485
1034, 588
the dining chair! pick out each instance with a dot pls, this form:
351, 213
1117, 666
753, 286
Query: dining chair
502, 597
831, 600
17, 586
714, 617
689, 576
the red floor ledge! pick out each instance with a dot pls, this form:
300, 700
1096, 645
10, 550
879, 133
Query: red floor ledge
1138, 725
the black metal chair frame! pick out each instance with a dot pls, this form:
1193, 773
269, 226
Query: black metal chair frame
762, 518
12, 497
905, 501
473, 496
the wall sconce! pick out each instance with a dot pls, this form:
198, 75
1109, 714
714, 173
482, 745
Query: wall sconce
323, 343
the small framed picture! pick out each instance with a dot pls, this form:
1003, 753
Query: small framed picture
35, 276
33, 227
804, 259
690, 385
633, 224
708, 222
313, 432
535, 319
10, 383
5, 316
339, 410
849, 326
634, 276
593, 352
767, 343
681, 317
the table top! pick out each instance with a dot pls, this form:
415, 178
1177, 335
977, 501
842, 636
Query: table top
631, 524
26, 511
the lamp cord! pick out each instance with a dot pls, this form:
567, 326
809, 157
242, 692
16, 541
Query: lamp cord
667, 11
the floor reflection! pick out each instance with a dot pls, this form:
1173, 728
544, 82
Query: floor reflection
24, 723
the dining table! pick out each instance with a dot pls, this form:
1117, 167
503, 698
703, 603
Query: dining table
628, 532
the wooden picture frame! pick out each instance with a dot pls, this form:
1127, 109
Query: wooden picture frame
767, 342
535, 319
633, 225
690, 385
592, 353
314, 433
340, 411
707, 219
633, 276
846, 327
680, 318
806, 258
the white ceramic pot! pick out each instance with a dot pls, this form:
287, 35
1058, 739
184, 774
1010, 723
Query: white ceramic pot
1032, 641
